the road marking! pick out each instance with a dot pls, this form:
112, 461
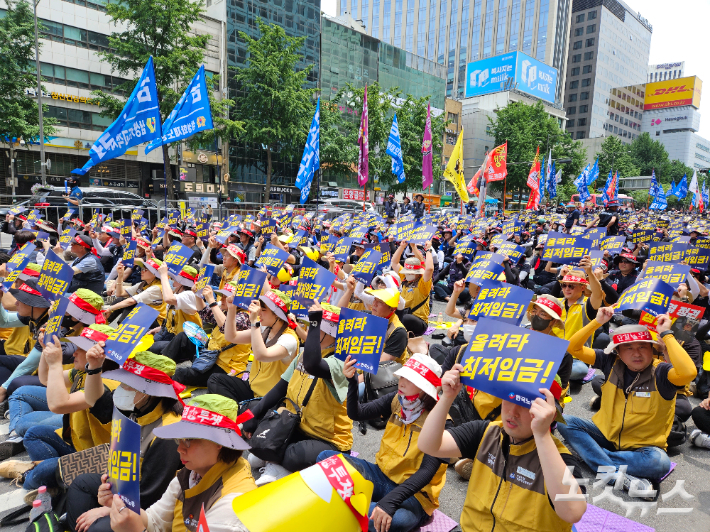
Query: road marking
12, 499
4, 429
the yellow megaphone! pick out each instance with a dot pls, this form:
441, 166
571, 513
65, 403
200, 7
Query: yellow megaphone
305, 501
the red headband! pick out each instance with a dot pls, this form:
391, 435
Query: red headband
93, 334
31, 273
133, 366
29, 290
413, 266
424, 371
554, 307
84, 305
569, 278
624, 338
186, 275
202, 416
331, 316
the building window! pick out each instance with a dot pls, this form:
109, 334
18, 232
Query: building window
572, 98
575, 71
570, 123
591, 15
580, 18
616, 130
580, 135
72, 77
587, 69
571, 110
588, 56
574, 84
583, 108
578, 32
577, 45
590, 42
591, 28
584, 96
586, 82
581, 122
576, 58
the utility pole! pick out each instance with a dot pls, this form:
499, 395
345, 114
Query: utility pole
42, 161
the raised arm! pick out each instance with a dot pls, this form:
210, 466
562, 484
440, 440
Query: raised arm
434, 440
683, 370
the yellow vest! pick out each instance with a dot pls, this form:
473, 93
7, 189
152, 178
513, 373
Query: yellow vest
399, 456
161, 307
641, 419
226, 277
174, 319
574, 318
222, 479
494, 500
235, 358
414, 294
394, 325
324, 417
485, 404
84, 430
264, 375
19, 342
5, 332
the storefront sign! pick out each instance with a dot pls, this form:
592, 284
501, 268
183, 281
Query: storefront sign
355, 194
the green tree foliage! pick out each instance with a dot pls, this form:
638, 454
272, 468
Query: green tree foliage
649, 154
615, 155
19, 116
525, 127
338, 155
271, 100
162, 29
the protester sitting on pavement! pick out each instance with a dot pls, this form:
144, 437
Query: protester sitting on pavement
638, 399
148, 291
20, 239
148, 396
324, 423
700, 436
214, 473
457, 270
88, 270
416, 279
407, 481
625, 275
522, 443
271, 337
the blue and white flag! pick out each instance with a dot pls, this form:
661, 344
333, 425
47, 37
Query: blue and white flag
541, 182
653, 189
310, 162
682, 188
605, 192
394, 150
660, 202
705, 194
581, 184
139, 122
191, 114
593, 173
552, 182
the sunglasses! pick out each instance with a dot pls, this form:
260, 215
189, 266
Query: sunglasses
185, 441
570, 286
624, 261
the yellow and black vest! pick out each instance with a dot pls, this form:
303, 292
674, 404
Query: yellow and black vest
393, 326
222, 479
399, 456
174, 319
264, 375
507, 493
415, 294
324, 417
233, 359
576, 318
160, 307
636, 417
20, 341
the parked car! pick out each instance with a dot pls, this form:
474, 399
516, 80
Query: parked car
340, 206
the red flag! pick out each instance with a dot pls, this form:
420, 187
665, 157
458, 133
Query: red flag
496, 165
534, 182
471, 187
202, 523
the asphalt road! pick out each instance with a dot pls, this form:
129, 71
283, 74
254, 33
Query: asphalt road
693, 471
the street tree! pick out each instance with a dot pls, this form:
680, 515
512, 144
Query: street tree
338, 155
162, 29
19, 116
272, 101
649, 155
614, 155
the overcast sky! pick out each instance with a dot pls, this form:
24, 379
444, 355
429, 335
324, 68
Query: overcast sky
679, 32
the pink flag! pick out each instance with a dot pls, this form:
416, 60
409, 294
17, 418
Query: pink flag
363, 149
427, 156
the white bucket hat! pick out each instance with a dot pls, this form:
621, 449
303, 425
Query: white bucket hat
422, 371
551, 305
630, 333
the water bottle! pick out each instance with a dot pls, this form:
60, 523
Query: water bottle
36, 510
441, 318
45, 498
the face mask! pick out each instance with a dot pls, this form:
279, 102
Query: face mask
69, 321
539, 324
410, 277
124, 399
411, 408
468, 331
24, 319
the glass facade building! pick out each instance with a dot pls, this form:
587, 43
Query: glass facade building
456, 32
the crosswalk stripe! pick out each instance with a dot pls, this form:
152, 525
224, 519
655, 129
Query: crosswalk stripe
12, 499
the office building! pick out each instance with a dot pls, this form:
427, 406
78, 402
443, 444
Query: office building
664, 71
72, 34
454, 33
609, 47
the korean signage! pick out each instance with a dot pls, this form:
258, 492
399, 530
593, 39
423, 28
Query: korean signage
54, 277
501, 301
313, 282
203, 278
16, 264
651, 295
366, 266
272, 258
565, 249
129, 254
355, 194
665, 252
673, 93
249, 284
673, 274
54, 322
124, 460
122, 341
362, 336
176, 257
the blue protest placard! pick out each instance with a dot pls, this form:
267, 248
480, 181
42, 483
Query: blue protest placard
484, 270
124, 460
54, 277
268, 227
173, 217
299, 239
67, 215
341, 252
698, 258
66, 237
359, 232
651, 295
613, 244
203, 278
122, 341
126, 226
313, 282
501, 301
129, 253
296, 308
467, 248
223, 235
422, 234
703, 243
596, 235
272, 258
249, 281
642, 236
17, 210
176, 257
385, 254
54, 323
487, 255
671, 273
596, 257
16, 264
362, 336
403, 230
680, 239
565, 249
327, 243
513, 250
366, 266
510, 362
667, 252
203, 230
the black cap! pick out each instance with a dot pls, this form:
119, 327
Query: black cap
29, 295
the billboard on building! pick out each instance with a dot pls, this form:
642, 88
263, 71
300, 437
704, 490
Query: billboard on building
673, 93
513, 70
